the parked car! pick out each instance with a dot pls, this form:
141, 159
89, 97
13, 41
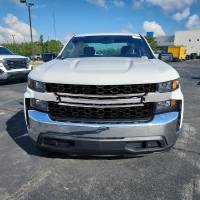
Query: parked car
13, 66
48, 56
193, 56
104, 94
166, 57
36, 57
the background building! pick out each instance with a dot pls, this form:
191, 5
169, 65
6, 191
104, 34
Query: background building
163, 42
189, 39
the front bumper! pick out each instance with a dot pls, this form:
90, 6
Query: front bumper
92, 138
14, 74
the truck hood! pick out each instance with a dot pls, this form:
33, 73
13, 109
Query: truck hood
104, 71
11, 56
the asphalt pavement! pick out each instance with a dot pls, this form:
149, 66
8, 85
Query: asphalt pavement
27, 173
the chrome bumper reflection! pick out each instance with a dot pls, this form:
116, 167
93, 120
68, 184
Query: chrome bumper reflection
14, 74
163, 125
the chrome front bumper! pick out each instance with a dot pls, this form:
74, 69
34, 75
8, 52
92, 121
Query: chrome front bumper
14, 74
108, 138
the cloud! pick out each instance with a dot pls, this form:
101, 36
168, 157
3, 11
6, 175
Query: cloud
118, 3
138, 3
16, 2
99, 3
13, 26
193, 22
171, 5
128, 28
107, 3
152, 26
179, 16
166, 5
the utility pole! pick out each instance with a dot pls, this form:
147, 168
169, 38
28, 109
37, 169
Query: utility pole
30, 22
13, 38
29, 5
54, 25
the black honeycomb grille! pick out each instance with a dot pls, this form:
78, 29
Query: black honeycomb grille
101, 89
62, 112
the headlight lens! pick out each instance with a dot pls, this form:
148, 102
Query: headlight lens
2, 61
167, 106
168, 86
39, 104
36, 85
28, 61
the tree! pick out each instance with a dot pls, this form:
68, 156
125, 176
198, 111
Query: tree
151, 42
51, 46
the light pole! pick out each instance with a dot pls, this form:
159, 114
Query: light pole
13, 37
29, 5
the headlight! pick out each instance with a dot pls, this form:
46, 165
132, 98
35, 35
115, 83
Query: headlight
28, 61
167, 106
168, 86
39, 104
2, 61
36, 85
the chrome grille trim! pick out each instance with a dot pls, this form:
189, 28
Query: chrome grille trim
99, 96
101, 106
15, 63
116, 101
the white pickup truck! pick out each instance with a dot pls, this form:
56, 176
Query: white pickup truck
104, 94
13, 66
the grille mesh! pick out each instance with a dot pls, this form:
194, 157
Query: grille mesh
101, 90
15, 64
118, 113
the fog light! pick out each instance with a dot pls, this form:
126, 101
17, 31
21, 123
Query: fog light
166, 106
173, 103
135, 145
152, 144
39, 104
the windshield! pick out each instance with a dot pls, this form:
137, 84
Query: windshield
106, 46
5, 51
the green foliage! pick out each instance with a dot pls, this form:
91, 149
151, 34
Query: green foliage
25, 48
152, 42
52, 46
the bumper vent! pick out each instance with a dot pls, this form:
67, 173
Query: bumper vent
101, 89
61, 112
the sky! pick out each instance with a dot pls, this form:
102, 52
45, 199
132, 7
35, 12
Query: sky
59, 19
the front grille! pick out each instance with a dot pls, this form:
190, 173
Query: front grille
101, 89
15, 64
62, 112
